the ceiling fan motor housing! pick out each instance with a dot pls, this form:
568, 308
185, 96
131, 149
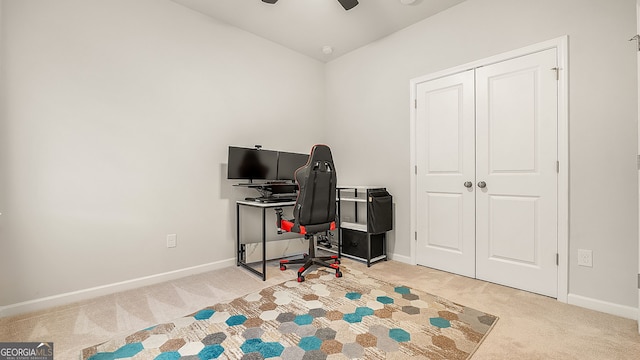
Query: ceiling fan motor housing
346, 4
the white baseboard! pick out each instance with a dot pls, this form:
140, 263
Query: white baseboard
401, 258
628, 312
84, 294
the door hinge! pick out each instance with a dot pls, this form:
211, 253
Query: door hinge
637, 39
415, 236
557, 70
415, 103
558, 167
415, 169
557, 259
638, 281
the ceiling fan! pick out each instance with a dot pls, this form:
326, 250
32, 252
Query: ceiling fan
346, 4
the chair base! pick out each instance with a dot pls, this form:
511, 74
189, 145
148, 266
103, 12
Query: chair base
310, 260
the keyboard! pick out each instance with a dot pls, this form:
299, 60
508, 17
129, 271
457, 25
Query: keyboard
271, 200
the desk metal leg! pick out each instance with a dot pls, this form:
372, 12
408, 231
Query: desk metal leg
239, 254
242, 253
264, 245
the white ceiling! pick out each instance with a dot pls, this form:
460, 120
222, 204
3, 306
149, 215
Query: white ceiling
307, 26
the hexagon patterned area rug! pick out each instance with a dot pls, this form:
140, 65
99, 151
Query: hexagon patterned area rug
325, 317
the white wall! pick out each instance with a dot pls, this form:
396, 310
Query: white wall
115, 117
368, 100
115, 121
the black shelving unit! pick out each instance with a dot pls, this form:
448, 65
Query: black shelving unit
365, 214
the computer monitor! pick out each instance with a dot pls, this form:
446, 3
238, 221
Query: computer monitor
288, 163
252, 164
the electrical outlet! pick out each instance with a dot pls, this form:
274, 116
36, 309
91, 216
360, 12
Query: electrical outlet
172, 240
585, 257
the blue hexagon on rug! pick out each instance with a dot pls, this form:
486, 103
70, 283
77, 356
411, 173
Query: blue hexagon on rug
310, 343
211, 352
440, 322
353, 296
236, 320
305, 319
399, 335
204, 314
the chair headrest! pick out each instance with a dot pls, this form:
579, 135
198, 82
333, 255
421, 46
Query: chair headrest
321, 155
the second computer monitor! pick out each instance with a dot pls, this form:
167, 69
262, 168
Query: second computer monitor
288, 163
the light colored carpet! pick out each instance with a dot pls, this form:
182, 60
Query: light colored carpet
530, 326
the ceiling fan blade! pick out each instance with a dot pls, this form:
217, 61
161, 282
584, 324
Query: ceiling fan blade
347, 4
270, 1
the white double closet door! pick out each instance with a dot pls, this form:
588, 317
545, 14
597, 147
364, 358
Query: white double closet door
486, 154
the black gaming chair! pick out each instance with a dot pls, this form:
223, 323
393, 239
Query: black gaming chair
315, 209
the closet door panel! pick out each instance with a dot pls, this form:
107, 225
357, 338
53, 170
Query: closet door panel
516, 154
445, 161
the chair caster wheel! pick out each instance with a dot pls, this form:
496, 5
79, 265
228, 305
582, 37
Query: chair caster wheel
300, 278
338, 274
283, 267
336, 261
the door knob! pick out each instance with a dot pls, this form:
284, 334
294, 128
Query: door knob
468, 184
482, 184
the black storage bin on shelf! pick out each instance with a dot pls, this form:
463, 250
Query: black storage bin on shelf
379, 212
355, 243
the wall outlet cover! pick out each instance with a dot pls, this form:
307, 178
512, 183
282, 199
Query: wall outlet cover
585, 257
172, 240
